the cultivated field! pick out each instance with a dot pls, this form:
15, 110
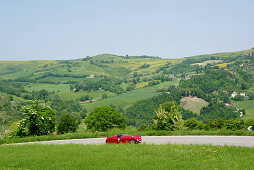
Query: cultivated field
207, 62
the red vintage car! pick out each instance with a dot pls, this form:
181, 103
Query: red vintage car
124, 139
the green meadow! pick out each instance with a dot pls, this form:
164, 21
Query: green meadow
126, 156
126, 99
248, 106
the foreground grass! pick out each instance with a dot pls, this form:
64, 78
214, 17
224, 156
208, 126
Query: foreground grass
125, 156
82, 134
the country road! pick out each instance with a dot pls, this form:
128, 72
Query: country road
246, 141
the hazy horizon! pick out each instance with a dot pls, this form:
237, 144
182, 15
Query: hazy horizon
61, 30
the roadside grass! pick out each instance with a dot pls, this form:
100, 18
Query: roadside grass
126, 156
82, 133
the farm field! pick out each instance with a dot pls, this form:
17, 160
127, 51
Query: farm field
125, 99
207, 62
248, 106
49, 87
125, 156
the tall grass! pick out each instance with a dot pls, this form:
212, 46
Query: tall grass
125, 156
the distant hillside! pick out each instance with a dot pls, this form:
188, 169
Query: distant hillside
80, 85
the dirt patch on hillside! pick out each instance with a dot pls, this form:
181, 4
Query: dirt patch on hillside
193, 104
207, 62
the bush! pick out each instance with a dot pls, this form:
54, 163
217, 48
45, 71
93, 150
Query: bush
144, 127
216, 123
235, 125
40, 120
104, 118
250, 122
67, 123
168, 117
192, 123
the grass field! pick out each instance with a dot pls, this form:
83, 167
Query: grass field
193, 104
49, 87
248, 105
207, 62
126, 99
125, 156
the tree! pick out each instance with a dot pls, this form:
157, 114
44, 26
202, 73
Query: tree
192, 123
40, 120
67, 123
238, 98
135, 74
168, 117
104, 118
104, 96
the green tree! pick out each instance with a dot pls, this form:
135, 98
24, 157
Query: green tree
67, 123
104, 96
238, 98
104, 118
40, 120
168, 117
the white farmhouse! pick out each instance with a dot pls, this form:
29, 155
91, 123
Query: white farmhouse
242, 93
234, 94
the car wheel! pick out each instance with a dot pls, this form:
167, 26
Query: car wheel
132, 141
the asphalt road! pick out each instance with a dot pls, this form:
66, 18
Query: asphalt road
246, 141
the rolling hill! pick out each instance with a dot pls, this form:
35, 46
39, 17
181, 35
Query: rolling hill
118, 81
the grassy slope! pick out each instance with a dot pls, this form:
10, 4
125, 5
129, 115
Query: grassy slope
125, 156
193, 104
16, 69
248, 105
78, 67
226, 54
124, 100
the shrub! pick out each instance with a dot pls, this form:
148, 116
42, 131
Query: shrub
168, 117
144, 127
104, 118
216, 123
250, 122
235, 125
192, 123
67, 123
40, 120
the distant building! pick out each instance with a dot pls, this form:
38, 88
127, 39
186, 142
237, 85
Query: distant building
176, 85
228, 105
187, 78
241, 114
91, 76
170, 76
234, 94
242, 93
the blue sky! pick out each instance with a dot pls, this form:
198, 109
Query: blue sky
64, 29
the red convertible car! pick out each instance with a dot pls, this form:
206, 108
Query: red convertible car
124, 139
